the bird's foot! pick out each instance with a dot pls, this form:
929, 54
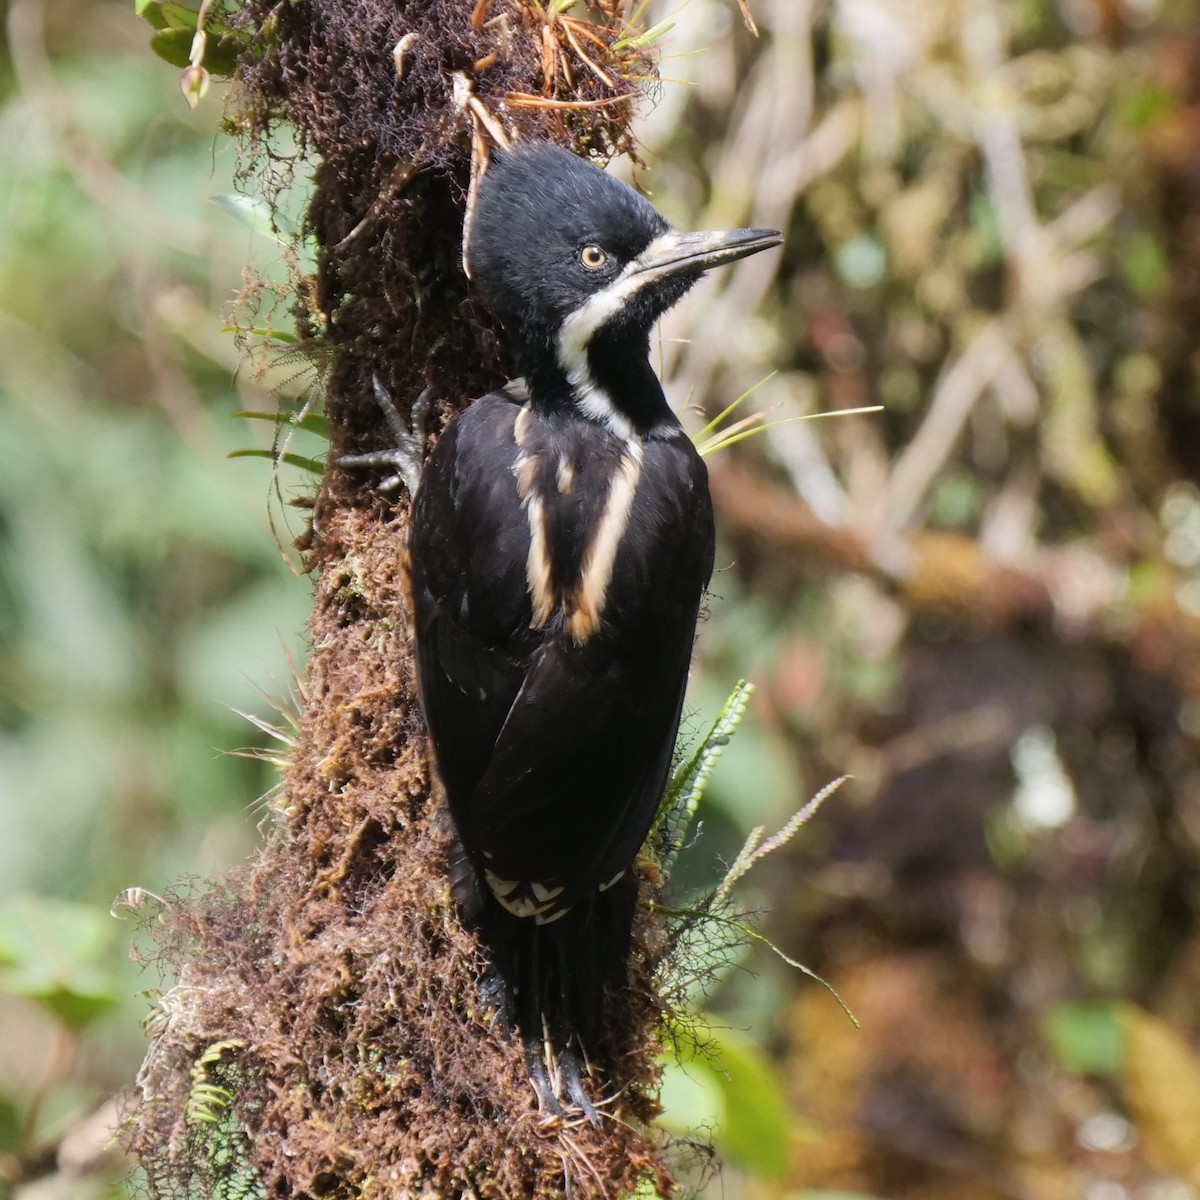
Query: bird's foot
496, 1002
408, 455
558, 1078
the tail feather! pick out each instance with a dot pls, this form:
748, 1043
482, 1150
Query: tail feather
556, 975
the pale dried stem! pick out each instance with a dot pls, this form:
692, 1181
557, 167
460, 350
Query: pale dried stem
926, 454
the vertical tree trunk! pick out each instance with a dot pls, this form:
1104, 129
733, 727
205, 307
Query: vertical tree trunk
328, 1035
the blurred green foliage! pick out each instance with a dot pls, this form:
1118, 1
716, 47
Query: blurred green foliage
57, 954
728, 1085
143, 595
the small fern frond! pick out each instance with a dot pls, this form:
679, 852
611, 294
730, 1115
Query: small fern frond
756, 849
684, 792
206, 1100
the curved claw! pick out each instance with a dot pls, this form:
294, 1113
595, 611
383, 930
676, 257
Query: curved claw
407, 457
572, 1070
557, 1076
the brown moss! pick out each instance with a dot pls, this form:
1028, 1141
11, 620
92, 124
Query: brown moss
358, 1053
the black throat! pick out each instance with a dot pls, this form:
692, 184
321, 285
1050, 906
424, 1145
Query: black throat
618, 389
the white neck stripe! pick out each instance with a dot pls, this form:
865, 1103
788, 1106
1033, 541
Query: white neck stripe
576, 335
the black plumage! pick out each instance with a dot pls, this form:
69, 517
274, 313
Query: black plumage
562, 538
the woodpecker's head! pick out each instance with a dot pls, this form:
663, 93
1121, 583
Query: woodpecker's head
577, 267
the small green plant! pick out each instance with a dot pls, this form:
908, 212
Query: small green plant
690, 778
218, 1144
717, 1078
203, 41
207, 1101
721, 432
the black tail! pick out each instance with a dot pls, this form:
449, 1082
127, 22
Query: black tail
555, 977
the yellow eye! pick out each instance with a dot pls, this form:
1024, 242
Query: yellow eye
593, 257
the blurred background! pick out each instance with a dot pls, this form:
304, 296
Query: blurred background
983, 602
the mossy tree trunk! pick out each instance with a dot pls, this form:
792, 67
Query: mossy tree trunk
327, 1036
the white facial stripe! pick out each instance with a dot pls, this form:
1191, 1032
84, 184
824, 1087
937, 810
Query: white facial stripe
580, 327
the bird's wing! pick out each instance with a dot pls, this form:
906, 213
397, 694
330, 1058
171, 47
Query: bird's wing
580, 764
578, 769
469, 597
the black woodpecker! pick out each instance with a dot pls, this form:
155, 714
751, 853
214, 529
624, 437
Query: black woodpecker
562, 537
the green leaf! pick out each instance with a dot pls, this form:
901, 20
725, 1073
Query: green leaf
255, 214
180, 16
224, 50
315, 466
691, 1098
733, 1087
151, 10
173, 46
316, 423
52, 952
756, 1115
1087, 1038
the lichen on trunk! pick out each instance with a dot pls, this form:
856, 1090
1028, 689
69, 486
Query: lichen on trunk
327, 1036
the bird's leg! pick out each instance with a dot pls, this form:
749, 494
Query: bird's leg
557, 1074
494, 994
539, 1057
572, 1067
571, 1059
408, 455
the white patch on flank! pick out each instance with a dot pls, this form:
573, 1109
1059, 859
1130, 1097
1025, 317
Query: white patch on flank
596, 573
537, 564
525, 471
565, 475
614, 880
521, 424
